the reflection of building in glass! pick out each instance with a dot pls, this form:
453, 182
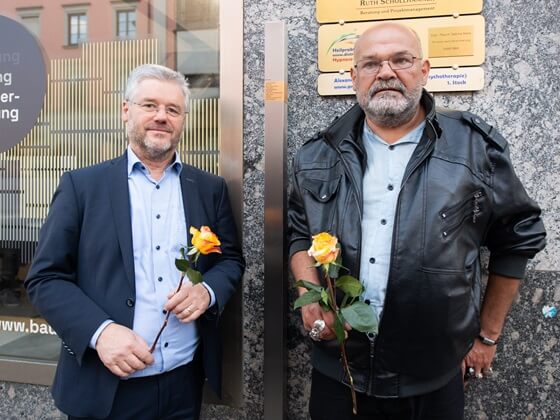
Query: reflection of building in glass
90, 48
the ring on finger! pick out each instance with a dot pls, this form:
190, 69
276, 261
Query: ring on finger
319, 325
314, 334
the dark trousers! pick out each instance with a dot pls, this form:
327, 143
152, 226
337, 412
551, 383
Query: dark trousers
173, 395
331, 400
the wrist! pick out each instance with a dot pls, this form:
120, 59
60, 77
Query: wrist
487, 341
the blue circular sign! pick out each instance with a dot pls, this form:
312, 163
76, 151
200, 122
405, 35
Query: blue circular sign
22, 82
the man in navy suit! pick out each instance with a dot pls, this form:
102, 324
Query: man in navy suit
104, 278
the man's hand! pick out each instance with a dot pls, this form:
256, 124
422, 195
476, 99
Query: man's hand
122, 351
189, 303
311, 313
480, 359
498, 297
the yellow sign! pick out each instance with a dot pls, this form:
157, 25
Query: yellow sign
360, 10
275, 91
455, 41
440, 80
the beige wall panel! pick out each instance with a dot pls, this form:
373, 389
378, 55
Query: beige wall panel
440, 80
360, 10
454, 41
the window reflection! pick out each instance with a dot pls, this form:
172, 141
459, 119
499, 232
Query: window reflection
90, 49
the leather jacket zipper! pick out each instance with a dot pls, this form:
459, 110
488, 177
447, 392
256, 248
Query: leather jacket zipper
474, 197
459, 209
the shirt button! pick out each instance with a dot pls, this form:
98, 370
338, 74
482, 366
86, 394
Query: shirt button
130, 302
391, 147
372, 260
383, 221
160, 279
157, 247
390, 187
166, 344
157, 187
164, 312
367, 301
370, 335
158, 216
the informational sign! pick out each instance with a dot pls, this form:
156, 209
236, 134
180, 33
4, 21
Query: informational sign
22, 82
275, 91
446, 41
439, 80
360, 10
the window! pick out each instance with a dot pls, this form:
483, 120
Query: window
77, 28
126, 24
80, 126
30, 17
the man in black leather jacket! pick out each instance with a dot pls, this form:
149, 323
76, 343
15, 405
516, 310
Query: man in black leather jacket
446, 182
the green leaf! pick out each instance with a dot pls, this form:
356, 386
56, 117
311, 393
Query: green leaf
350, 285
339, 329
325, 297
311, 296
309, 286
182, 265
194, 276
361, 317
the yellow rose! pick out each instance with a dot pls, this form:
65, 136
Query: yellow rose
204, 240
324, 249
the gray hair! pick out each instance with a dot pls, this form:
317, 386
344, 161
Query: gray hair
155, 71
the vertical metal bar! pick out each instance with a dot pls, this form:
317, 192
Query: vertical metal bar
275, 255
231, 168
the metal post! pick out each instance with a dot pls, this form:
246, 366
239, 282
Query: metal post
275, 255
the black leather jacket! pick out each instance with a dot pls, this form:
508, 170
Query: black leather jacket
459, 193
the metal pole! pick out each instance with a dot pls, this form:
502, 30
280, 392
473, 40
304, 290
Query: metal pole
275, 255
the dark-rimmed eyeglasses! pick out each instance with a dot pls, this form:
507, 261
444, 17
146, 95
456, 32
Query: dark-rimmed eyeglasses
370, 66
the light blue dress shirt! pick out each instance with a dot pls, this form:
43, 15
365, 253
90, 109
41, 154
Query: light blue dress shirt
386, 164
158, 232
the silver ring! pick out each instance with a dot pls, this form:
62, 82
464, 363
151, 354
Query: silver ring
314, 334
189, 310
470, 372
479, 375
319, 325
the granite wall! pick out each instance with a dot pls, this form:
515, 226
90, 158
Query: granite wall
521, 98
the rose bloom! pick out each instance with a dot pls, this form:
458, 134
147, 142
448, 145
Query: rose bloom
324, 248
204, 240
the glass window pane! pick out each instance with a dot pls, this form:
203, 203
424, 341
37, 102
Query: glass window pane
80, 125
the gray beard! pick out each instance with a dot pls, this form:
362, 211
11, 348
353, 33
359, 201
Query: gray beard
390, 111
155, 152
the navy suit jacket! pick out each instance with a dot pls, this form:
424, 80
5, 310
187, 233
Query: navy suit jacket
83, 274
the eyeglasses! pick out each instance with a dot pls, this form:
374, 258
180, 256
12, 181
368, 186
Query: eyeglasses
370, 66
152, 108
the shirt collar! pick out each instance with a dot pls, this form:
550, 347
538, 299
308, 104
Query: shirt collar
134, 161
413, 136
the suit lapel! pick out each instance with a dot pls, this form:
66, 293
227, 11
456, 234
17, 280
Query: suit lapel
191, 195
120, 204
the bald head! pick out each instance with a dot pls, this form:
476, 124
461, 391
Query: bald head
388, 34
388, 75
